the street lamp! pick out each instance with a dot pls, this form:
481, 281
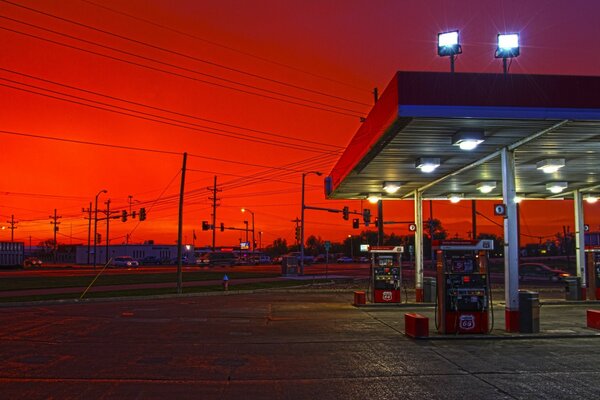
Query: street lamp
302, 221
351, 247
96, 223
253, 239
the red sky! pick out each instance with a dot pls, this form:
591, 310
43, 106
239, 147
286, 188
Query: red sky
175, 64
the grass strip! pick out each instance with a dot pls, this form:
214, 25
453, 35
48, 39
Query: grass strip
162, 291
135, 277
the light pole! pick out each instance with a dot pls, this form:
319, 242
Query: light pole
302, 221
260, 240
253, 239
246, 223
96, 223
351, 247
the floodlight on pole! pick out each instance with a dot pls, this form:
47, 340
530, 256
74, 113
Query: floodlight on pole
508, 47
449, 46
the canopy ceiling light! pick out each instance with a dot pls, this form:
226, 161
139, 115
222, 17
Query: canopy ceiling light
556, 187
448, 46
591, 199
391, 187
486, 187
551, 165
508, 47
427, 164
455, 197
468, 139
373, 198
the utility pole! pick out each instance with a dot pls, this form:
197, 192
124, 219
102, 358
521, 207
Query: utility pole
55, 222
297, 221
107, 229
214, 213
13, 226
380, 232
180, 224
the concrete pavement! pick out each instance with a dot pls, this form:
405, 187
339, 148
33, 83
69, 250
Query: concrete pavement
278, 345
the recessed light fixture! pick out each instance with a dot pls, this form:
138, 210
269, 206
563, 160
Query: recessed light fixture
556, 187
550, 165
486, 187
455, 197
427, 164
373, 198
468, 139
391, 187
591, 199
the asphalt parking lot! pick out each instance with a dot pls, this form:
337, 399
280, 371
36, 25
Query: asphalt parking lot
282, 345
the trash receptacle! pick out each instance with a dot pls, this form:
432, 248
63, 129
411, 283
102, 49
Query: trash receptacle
572, 288
429, 290
529, 312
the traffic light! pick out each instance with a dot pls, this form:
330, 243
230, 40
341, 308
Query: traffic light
124, 216
134, 214
98, 238
367, 216
222, 227
142, 214
205, 225
346, 213
356, 223
298, 233
376, 222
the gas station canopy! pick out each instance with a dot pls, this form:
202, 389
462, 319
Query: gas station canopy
543, 119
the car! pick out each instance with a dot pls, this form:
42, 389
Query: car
151, 260
364, 260
344, 260
217, 259
125, 261
32, 262
261, 260
540, 271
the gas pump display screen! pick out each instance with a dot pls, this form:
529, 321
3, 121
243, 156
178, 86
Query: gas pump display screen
459, 265
386, 278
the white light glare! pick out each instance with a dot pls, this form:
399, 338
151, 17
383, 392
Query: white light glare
391, 187
518, 199
455, 198
591, 199
373, 198
469, 144
508, 41
428, 164
448, 39
486, 187
556, 187
550, 165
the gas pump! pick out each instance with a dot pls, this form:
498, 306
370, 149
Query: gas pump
386, 273
463, 297
593, 270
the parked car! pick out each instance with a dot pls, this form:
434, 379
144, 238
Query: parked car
345, 260
276, 260
32, 262
261, 260
125, 261
539, 271
151, 260
217, 259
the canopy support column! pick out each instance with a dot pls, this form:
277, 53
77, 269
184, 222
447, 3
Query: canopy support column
580, 241
420, 297
511, 242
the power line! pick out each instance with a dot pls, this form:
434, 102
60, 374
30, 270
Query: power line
165, 110
333, 109
222, 45
181, 54
151, 117
122, 147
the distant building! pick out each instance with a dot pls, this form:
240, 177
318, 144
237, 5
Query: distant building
166, 253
